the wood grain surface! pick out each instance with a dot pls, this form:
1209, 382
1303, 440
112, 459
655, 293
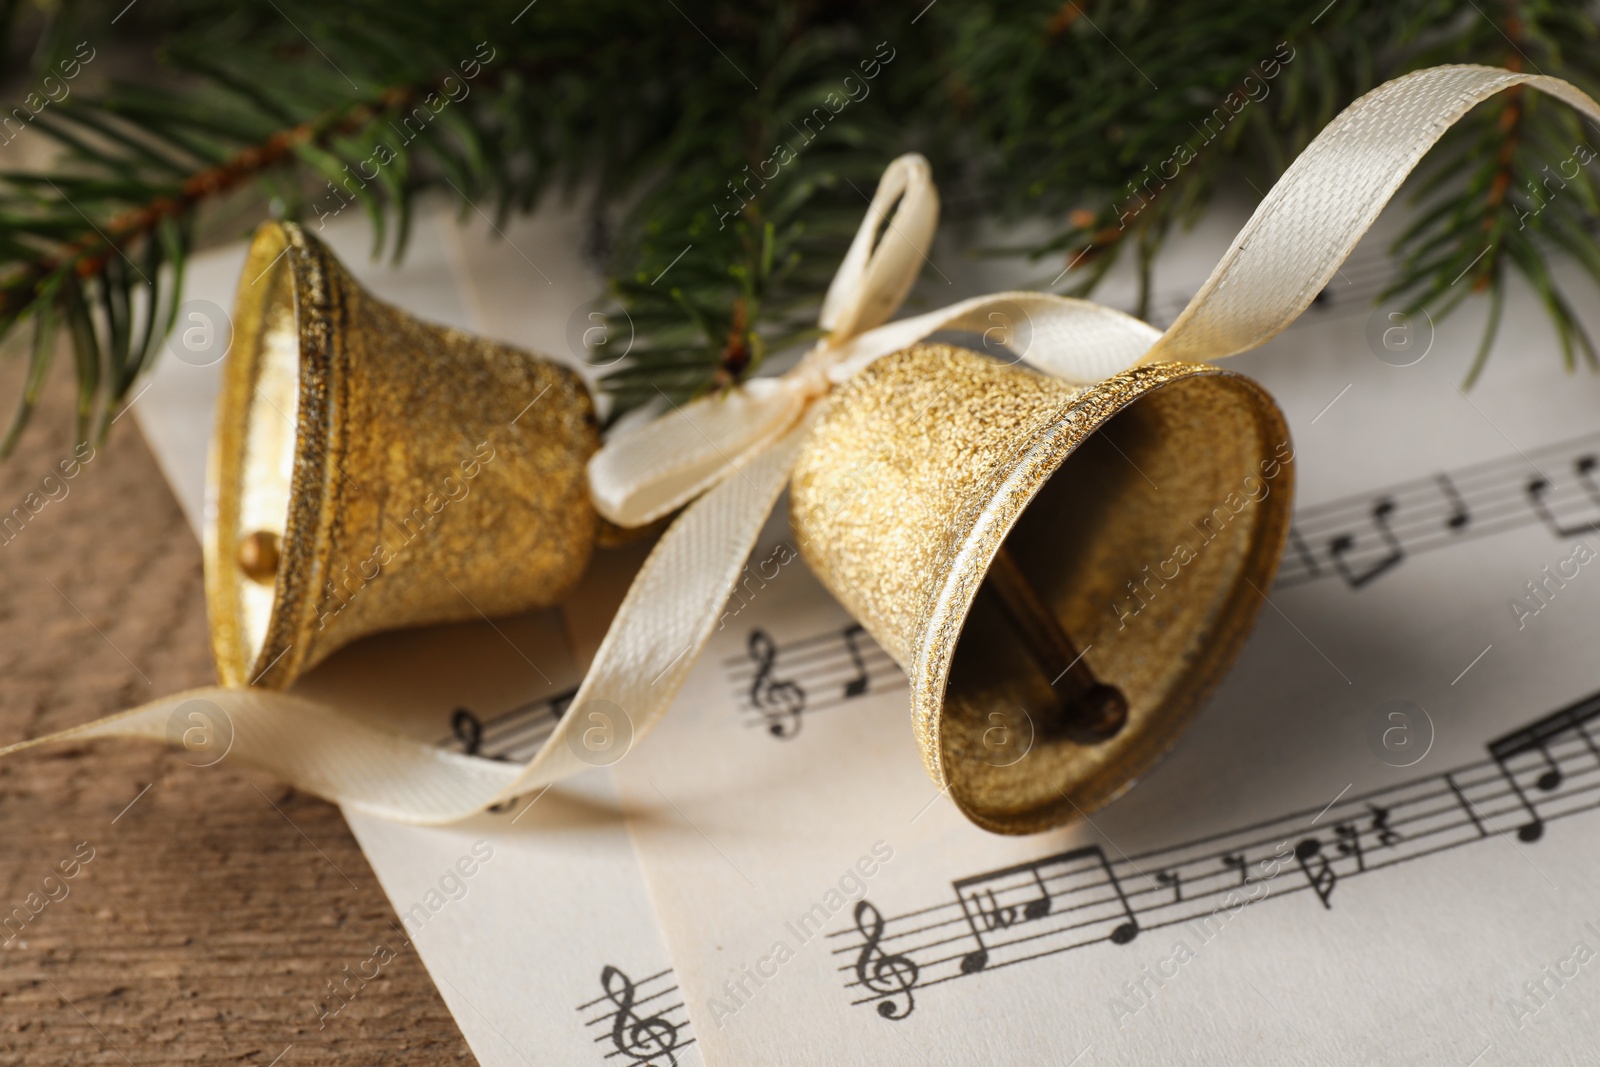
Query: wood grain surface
218, 905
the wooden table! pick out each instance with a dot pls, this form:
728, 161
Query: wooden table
218, 905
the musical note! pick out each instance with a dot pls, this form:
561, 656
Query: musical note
1128, 930
976, 960
1533, 829
981, 920
781, 702
1443, 510
1380, 824
1585, 466
1323, 880
1039, 907
1033, 911
1350, 843
996, 917
1345, 542
1175, 880
644, 1039
468, 729
1538, 487
857, 685
1536, 738
888, 976
1550, 779
1460, 517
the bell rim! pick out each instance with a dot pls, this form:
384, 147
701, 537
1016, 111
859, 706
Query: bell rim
1035, 463
317, 295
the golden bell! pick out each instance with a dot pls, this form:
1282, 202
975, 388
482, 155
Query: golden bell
1063, 572
372, 471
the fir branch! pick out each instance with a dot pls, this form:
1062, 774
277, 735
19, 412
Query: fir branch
86, 271
726, 160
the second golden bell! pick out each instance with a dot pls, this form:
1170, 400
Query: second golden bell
1063, 572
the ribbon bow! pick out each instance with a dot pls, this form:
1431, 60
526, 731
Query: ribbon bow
728, 457
663, 465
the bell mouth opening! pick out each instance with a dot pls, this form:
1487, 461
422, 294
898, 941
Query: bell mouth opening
254, 540
1148, 550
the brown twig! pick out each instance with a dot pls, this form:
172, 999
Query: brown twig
1063, 19
88, 252
1510, 128
735, 358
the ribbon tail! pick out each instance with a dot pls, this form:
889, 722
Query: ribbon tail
1312, 218
667, 617
313, 747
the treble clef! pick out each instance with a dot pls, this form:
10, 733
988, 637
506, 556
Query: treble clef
782, 702
643, 1039
886, 975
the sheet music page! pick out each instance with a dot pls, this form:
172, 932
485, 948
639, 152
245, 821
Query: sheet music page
1374, 844
534, 921
1385, 904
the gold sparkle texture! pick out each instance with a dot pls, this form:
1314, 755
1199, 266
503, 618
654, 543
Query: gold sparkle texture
1141, 510
402, 473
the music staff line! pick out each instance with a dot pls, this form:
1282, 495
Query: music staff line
1145, 926
819, 672
514, 735
1360, 538
637, 1002
1509, 474
1445, 520
648, 1040
844, 662
1545, 771
827, 670
1227, 875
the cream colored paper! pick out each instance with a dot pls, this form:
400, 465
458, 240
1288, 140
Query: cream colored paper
1445, 958
793, 829
519, 944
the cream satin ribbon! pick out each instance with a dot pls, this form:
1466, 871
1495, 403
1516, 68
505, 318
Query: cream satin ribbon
728, 457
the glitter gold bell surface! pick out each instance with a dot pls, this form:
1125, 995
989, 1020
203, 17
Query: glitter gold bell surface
372, 471
1146, 514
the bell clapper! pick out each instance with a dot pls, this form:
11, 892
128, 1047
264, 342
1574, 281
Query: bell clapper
1092, 709
258, 556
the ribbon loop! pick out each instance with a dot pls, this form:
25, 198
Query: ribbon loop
1313, 216
887, 253
661, 466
